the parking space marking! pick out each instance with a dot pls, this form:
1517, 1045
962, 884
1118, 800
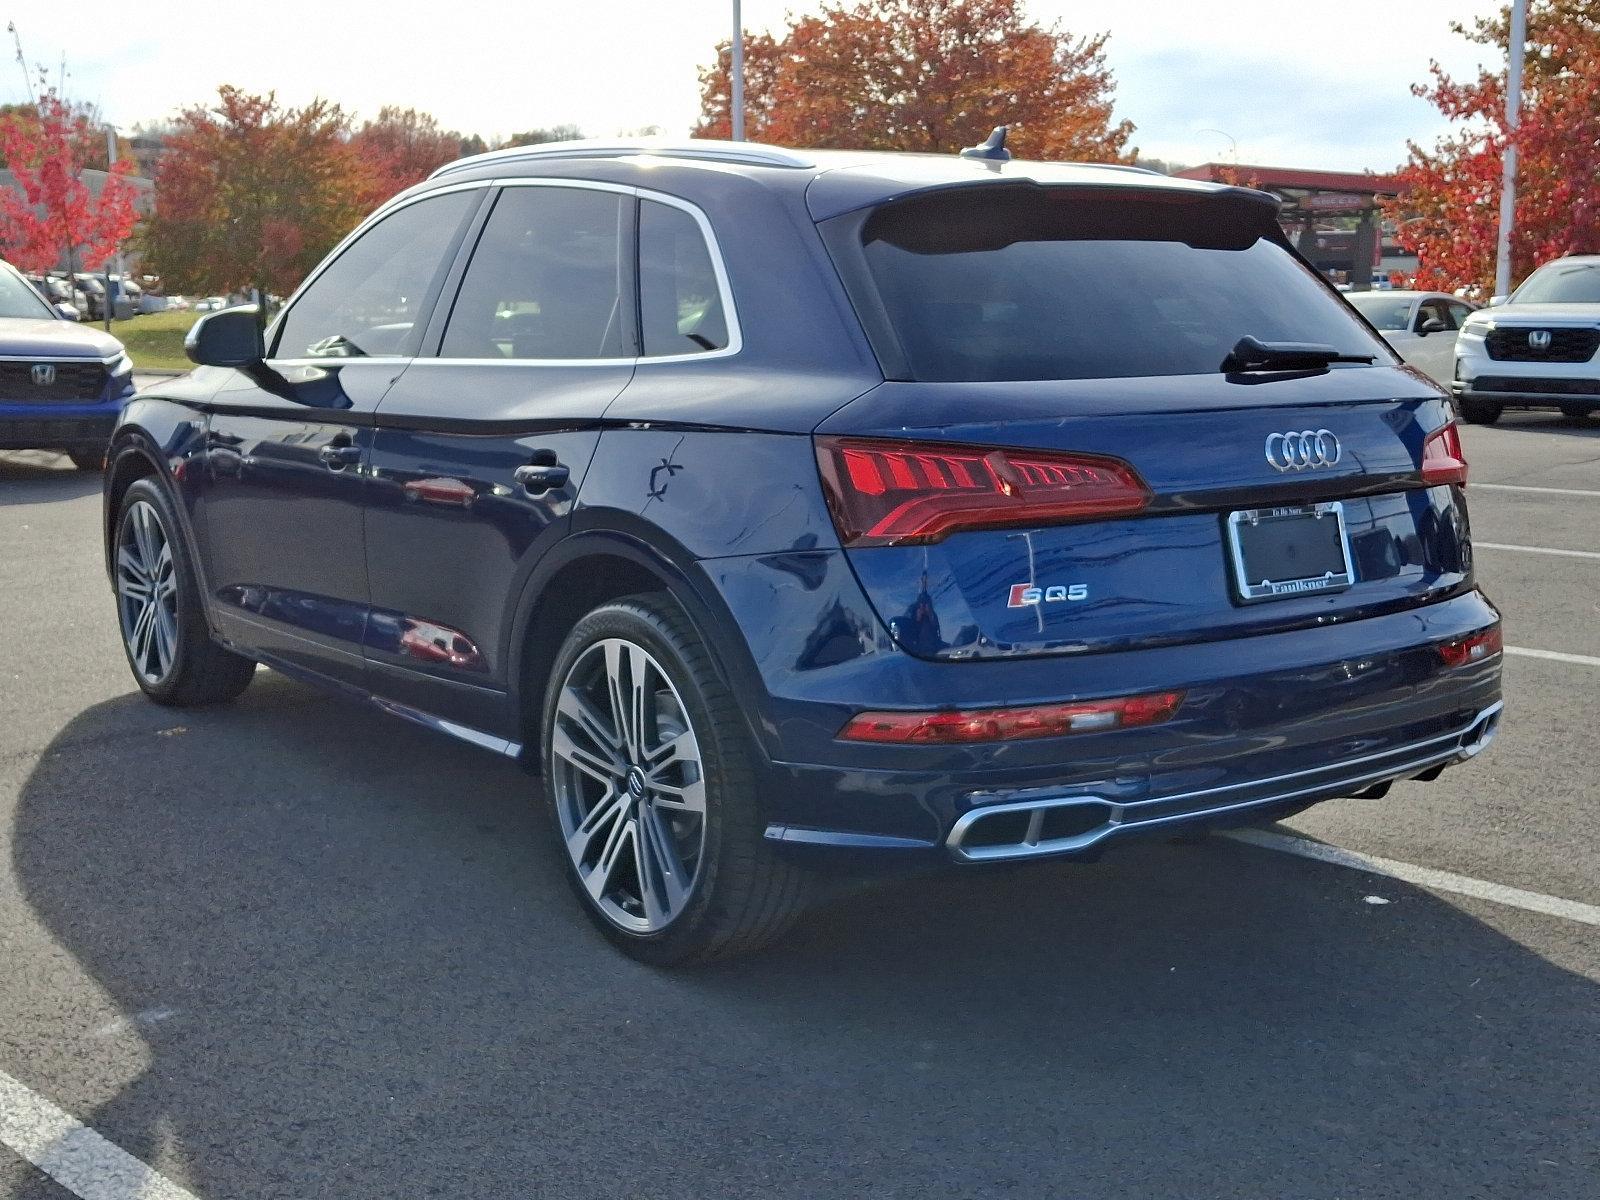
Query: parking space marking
1581, 660
1477, 545
74, 1155
1517, 487
1439, 881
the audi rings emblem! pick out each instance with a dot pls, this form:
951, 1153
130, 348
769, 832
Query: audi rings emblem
1303, 450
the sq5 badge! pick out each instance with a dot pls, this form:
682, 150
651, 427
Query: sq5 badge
1024, 595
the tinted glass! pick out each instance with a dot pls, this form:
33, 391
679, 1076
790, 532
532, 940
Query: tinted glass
680, 304
545, 279
1562, 283
18, 299
1385, 312
1019, 283
1460, 312
369, 300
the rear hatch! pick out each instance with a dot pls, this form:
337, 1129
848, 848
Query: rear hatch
1060, 462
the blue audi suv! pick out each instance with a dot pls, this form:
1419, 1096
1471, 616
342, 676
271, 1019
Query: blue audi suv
778, 509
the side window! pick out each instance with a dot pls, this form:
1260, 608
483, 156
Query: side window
1459, 313
369, 300
680, 305
545, 279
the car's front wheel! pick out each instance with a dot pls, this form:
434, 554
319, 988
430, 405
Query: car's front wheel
164, 634
1480, 412
650, 783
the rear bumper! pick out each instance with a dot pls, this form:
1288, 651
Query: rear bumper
1340, 707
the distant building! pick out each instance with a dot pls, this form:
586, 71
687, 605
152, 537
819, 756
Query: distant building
1312, 201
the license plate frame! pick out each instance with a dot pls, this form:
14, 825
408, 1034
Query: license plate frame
1334, 576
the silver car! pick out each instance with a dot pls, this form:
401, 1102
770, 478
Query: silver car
1421, 326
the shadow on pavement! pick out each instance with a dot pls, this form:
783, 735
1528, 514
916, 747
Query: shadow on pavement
382, 988
40, 476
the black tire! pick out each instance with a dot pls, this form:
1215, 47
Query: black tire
1481, 412
742, 895
86, 461
1578, 412
199, 670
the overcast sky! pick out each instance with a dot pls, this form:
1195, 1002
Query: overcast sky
1292, 85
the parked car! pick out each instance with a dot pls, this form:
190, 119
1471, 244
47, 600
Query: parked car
94, 291
1538, 348
1421, 326
211, 304
62, 385
775, 505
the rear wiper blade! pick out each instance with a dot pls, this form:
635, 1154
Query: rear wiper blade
1252, 354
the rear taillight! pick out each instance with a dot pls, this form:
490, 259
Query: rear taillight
888, 493
1484, 644
1009, 724
1442, 457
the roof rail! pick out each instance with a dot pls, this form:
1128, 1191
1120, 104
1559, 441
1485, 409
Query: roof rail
747, 153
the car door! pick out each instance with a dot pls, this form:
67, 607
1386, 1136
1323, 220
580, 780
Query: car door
282, 485
1435, 352
480, 447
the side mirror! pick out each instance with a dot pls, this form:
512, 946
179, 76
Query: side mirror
1496, 300
1432, 325
229, 337
67, 312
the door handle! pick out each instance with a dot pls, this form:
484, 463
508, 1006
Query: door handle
538, 478
338, 456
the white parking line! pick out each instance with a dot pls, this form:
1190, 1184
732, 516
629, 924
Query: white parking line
1439, 881
1580, 660
1517, 487
74, 1155
1477, 545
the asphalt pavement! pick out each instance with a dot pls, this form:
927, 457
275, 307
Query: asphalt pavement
292, 948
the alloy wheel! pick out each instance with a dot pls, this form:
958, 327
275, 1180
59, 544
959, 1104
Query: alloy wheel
629, 785
147, 592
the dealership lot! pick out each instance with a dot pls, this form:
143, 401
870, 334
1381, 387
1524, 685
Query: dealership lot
294, 948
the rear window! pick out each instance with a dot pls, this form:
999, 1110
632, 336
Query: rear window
1012, 283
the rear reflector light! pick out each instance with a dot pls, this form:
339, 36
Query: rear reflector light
1442, 458
1007, 724
888, 493
1475, 648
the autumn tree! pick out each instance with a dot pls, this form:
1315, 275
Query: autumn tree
52, 213
250, 194
923, 75
400, 147
1449, 210
538, 137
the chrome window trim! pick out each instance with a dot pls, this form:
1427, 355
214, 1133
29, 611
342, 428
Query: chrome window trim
270, 335
718, 266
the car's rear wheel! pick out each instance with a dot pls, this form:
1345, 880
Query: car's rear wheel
650, 783
164, 634
1481, 412
1578, 412
86, 461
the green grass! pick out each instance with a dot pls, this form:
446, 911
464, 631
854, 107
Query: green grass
155, 340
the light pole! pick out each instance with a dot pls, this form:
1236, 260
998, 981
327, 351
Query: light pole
1515, 53
736, 73
110, 302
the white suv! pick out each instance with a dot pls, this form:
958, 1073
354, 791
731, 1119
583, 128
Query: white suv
1538, 349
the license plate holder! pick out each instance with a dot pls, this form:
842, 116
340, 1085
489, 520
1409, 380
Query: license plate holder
1294, 550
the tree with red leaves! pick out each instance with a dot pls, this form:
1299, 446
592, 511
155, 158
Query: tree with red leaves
402, 147
1449, 209
250, 194
52, 214
923, 75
